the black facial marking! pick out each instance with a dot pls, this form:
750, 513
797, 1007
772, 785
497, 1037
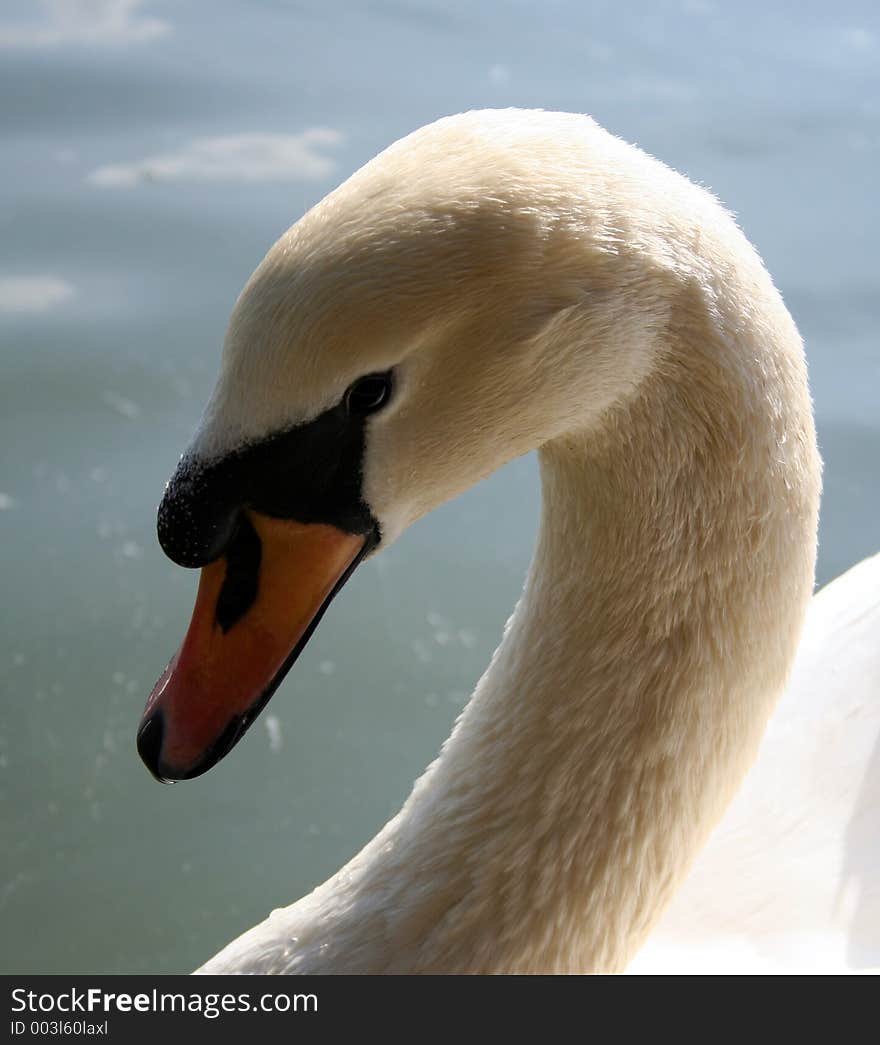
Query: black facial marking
311, 473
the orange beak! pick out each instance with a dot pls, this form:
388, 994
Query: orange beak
255, 610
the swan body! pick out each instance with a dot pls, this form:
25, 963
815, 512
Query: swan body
531, 282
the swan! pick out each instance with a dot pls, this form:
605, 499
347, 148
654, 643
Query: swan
498, 282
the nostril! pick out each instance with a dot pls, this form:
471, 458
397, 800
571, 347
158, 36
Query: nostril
240, 585
197, 519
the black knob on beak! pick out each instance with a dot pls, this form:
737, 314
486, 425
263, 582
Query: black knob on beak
199, 514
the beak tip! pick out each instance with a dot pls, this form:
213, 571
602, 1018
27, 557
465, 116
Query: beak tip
151, 734
149, 746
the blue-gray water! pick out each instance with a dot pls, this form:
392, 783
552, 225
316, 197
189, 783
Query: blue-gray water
117, 274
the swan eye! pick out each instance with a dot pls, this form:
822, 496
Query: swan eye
368, 394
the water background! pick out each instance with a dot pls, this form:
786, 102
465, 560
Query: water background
109, 347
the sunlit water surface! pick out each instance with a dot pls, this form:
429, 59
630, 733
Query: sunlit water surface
108, 349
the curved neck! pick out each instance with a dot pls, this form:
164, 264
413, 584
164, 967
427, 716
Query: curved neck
617, 717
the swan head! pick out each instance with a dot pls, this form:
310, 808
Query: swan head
461, 300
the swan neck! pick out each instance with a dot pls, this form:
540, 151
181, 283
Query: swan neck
630, 692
